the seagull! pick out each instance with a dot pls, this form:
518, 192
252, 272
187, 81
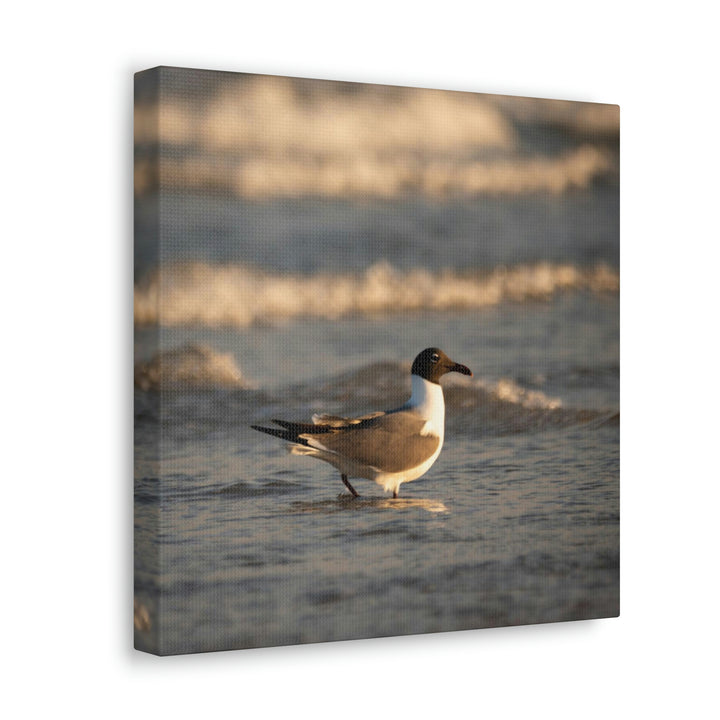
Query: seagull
390, 447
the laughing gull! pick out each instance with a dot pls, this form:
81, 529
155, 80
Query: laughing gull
390, 447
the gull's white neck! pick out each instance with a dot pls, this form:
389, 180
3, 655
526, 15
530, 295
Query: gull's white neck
428, 401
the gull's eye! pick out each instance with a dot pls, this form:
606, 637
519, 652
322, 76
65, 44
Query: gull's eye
434, 357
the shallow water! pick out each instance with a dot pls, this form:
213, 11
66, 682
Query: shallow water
517, 522
522, 529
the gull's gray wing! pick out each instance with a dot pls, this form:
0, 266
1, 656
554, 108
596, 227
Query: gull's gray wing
390, 442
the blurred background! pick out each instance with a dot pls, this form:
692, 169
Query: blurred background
266, 137
288, 198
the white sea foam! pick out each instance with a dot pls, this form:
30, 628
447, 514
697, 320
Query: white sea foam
474, 391
283, 116
240, 296
263, 136
379, 177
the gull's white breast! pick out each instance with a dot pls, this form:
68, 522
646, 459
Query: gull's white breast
428, 401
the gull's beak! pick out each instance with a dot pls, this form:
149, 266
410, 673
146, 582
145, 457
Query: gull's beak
462, 369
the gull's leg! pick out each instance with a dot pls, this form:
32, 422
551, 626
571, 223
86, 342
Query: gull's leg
395, 494
348, 485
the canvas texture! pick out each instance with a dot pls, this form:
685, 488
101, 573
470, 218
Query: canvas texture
303, 251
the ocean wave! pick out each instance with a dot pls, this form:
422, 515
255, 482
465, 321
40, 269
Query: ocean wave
241, 296
264, 136
388, 383
586, 120
189, 366
264, 114
475, 405
379, 177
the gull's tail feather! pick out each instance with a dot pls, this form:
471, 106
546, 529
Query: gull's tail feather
292, 431
284, 434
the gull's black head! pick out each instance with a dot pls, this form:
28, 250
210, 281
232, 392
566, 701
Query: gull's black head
432, 363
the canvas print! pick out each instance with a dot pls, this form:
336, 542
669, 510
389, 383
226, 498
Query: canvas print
376, 361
